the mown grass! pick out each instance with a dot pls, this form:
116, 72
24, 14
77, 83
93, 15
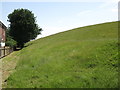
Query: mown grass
84, 57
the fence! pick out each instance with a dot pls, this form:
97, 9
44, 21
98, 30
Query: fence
4, 51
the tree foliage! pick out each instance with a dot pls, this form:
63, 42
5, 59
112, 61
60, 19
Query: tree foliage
23, 27
9, 41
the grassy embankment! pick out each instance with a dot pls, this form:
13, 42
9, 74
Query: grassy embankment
85, 57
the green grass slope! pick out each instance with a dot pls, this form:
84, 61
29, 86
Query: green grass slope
85, 57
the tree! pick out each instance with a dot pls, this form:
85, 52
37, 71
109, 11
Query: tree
23, 27
9, 41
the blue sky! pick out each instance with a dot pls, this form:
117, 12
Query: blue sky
56, 17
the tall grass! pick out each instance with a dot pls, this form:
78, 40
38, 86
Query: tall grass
84, 57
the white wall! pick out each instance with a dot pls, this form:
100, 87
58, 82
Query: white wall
2, 44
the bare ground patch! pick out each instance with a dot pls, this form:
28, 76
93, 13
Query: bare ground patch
8, 65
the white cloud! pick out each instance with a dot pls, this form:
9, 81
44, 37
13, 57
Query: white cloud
111, 6
109, 3
60, 20
114, 10
84, 12
49, 30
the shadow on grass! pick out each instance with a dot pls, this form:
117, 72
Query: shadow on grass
28, 45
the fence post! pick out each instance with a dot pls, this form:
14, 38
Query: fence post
9, 50
4, 51
0, 53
